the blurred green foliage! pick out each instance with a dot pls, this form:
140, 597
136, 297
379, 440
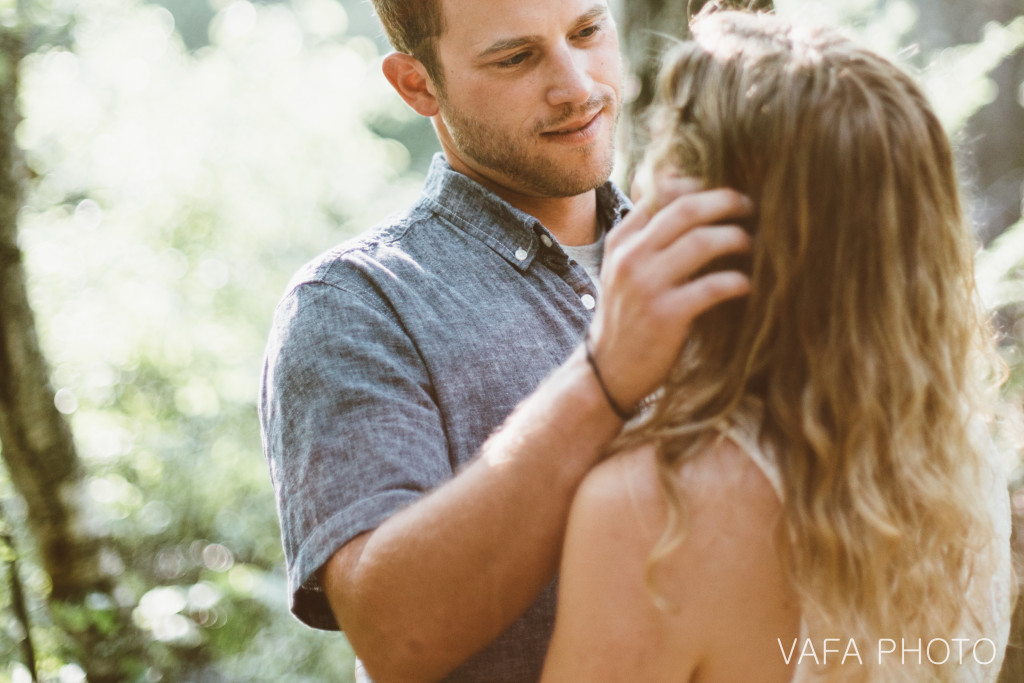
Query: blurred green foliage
175, 191
186, 158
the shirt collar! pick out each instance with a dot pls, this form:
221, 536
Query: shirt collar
515, 235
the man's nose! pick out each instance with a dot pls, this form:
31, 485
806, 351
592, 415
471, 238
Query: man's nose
570, 81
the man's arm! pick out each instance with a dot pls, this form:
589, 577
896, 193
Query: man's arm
444, 577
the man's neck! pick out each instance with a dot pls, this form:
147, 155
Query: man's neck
572, 220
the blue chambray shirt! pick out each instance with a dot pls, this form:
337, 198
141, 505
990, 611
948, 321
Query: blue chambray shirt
394, 356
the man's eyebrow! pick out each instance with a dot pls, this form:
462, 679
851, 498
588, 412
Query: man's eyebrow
507, 44
593, 13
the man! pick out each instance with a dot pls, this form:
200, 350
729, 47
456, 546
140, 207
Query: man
428, 406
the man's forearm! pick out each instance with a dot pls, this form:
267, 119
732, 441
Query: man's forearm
444, 577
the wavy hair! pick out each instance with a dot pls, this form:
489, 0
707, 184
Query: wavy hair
862, 339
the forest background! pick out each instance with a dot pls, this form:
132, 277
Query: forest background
167, 165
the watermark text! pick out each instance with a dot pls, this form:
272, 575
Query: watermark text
938, 651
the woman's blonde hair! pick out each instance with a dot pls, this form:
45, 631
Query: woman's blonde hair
862, 338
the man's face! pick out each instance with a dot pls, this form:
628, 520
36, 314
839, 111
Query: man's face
531, 93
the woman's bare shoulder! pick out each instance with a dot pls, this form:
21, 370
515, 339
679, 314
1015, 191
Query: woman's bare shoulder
718, 600
627, 489
622, 491
607, 627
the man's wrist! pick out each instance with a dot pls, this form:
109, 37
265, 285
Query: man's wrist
624, 414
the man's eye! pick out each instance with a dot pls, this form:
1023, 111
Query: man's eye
515, 59
589, 32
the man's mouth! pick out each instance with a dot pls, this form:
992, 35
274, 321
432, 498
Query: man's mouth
582, 127
575, 127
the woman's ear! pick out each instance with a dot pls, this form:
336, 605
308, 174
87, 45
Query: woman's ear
409, 78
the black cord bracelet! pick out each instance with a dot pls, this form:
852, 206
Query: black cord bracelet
622, 414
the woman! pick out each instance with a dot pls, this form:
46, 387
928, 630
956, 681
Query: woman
809, 495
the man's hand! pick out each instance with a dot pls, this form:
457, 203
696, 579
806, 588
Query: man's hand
650, 292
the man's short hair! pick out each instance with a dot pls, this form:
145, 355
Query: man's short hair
413, 27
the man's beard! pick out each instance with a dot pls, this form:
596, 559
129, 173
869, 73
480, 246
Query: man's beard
549, 174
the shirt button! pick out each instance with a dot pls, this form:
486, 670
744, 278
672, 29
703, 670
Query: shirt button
588, 302
546, 240
521, 254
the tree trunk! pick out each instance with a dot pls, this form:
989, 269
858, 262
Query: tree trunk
36, 441
648, 28
992, 154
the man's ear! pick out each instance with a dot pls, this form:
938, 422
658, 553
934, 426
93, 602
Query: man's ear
409, 78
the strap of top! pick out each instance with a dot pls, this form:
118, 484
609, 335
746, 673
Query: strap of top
743, 429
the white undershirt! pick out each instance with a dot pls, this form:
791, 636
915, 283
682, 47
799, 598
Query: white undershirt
589, 256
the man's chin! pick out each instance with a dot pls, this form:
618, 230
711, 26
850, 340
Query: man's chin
556, 176
576, 180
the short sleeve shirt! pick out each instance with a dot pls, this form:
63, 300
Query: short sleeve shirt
394, 356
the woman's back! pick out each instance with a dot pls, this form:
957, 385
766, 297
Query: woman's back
719, 606
714, 606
